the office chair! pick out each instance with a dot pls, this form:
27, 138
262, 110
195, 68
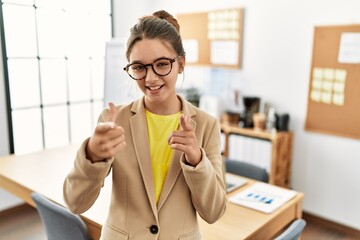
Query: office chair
247, 170
294, 231
59, 222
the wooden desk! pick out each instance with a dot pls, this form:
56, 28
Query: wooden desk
45, 172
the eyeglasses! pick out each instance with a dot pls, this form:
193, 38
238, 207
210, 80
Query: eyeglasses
161, 67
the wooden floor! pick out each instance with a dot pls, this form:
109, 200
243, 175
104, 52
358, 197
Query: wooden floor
24, 223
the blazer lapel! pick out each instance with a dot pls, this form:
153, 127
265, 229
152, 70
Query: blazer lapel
171, 177
139, 131
175, 167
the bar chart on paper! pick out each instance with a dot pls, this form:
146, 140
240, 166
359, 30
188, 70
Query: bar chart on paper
263, 197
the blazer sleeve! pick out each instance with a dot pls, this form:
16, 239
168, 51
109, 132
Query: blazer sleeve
84, 182
205, 181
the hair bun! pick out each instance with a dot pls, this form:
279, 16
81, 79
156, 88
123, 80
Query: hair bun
162, 14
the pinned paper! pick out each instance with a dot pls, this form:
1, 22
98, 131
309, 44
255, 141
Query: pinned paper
191, 47
349, 50
224, 52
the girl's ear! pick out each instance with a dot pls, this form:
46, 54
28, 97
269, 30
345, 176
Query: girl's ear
182, 64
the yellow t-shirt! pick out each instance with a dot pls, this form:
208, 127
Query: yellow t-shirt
159, 129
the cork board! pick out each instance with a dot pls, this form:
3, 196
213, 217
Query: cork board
213, 38
334, 88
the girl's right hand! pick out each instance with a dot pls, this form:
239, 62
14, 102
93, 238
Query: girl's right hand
107, 140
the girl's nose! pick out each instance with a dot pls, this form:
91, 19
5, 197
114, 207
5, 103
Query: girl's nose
151, 75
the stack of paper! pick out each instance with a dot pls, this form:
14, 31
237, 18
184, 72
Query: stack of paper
251, 150
263, 197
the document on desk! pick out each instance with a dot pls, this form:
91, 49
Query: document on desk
263, 197
233, 182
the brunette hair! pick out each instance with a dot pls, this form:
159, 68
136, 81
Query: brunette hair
160, 25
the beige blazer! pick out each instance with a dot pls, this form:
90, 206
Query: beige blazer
133, 212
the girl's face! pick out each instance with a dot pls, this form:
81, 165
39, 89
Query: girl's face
157, 89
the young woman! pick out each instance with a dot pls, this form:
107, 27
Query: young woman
164, 153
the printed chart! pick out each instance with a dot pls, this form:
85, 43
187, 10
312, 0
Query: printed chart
263, 197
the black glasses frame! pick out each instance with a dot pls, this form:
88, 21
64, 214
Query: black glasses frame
172, 60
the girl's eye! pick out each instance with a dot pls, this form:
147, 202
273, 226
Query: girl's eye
162, 64
137, 67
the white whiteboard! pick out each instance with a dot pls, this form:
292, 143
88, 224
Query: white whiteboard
119, 87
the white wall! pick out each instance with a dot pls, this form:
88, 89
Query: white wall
6, 199
4, 140
126, 14
278, 37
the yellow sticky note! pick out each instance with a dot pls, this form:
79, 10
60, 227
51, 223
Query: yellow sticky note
327, 86
326, 97
339, 99
315, 96
318, 73
211, 34
234, 24
235, 14
339, 87
316, 84
340, 75
211, 26
329, 73
211, 16
234, 35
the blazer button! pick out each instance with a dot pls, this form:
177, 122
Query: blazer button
154, 229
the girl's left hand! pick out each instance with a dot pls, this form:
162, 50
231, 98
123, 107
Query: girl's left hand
185, 141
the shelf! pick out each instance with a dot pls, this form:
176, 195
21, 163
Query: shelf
281, 151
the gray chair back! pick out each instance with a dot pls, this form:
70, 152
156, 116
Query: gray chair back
59, 222
246, 170
294, 231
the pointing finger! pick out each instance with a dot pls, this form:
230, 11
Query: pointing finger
111, 116
185, 123
107, 125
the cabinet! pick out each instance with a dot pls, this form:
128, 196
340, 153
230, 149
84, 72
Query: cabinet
281, 151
